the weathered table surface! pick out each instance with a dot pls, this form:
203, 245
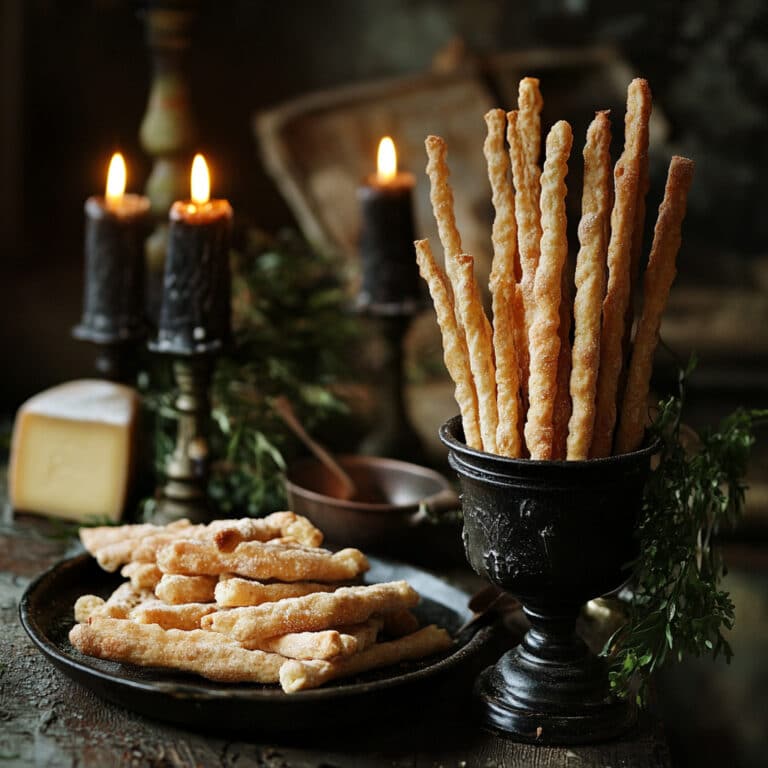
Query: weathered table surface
48, 720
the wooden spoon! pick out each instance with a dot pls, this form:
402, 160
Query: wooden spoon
284, 409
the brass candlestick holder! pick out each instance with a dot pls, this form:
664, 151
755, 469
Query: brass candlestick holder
185, 493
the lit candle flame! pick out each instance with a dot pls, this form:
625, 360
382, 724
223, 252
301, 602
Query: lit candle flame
116, 179
386, 162
201, 181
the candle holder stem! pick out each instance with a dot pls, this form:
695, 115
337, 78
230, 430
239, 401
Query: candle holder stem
394, 434
551, 689
185, 490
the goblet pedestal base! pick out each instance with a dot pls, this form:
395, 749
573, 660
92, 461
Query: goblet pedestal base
551, 690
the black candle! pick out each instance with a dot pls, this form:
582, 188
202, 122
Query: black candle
115, 228
390, 277
195, 308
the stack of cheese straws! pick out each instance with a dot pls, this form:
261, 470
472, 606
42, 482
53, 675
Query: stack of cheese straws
251, 600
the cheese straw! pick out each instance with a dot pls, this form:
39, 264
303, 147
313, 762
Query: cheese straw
347, 605
142, 575
237, 592
206, 653
175, 589
326, 644
229, 533
300, 675
258, 560
480, 346
455, 353
626, 180
441, 197
590, 285
503, 287
184, 616
543, 336
658, 281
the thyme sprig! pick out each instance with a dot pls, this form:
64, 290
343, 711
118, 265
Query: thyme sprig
678, 605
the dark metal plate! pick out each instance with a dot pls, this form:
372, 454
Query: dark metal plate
46, 612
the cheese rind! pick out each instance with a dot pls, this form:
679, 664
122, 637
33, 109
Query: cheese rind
73, 451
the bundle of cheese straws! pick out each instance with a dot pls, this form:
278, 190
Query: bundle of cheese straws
251, 600
528, 386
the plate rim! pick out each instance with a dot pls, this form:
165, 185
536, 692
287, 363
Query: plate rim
477, 636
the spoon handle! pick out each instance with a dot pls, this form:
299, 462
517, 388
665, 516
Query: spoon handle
286, 413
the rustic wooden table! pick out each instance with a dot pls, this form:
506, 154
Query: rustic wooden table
48, 720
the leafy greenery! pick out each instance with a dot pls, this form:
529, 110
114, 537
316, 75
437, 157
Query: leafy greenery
679, 606
292, 338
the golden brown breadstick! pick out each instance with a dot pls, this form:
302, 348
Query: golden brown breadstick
184, 616
561, 412
175, 589
146, 551
149, 645
261, 560
123, 600
347, 605
143, 550
480, 347
643, 183
441, 197
504, 237
326, 644
101, 536
300, 675
619, 257
399, 623
365, 634
529, 105
508, 442
142, 575
590, 284
504, 232
529, 241
229, 533
237, 593
657, 283
455, 353
543, 337
87, 606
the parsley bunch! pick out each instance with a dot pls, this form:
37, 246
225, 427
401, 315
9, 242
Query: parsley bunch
678, 605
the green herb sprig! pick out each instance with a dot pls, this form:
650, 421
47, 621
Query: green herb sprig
678, 605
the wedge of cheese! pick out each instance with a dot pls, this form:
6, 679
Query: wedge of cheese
73, 448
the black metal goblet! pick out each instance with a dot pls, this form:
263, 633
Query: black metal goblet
555, 534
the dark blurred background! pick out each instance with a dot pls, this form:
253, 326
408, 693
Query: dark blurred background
73, 88
75, 78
